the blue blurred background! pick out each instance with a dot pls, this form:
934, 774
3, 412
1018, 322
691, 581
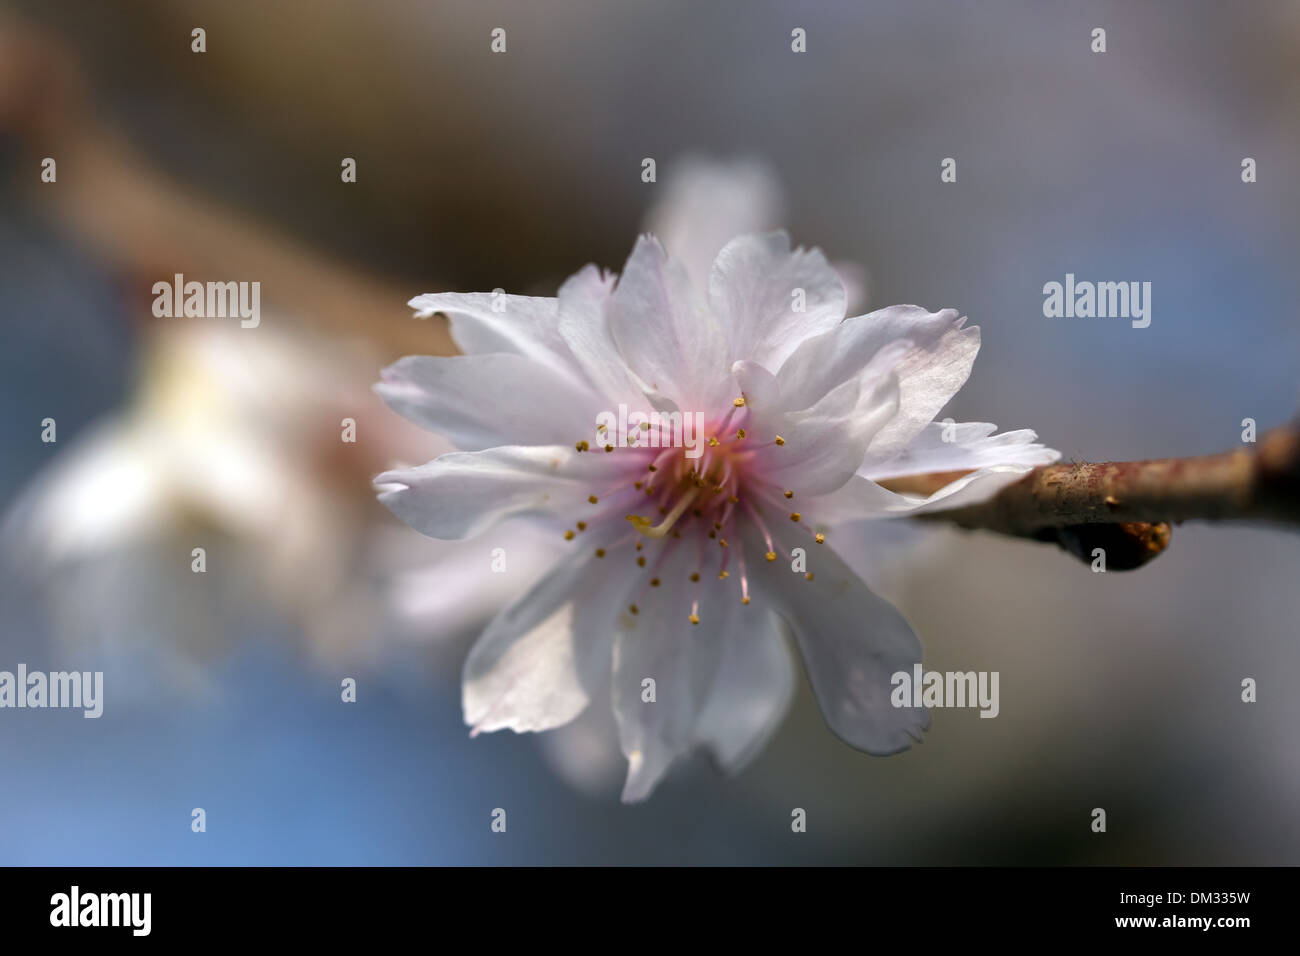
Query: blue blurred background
477, 170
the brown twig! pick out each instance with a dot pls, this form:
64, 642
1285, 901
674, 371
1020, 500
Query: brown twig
1125, 507
150, 227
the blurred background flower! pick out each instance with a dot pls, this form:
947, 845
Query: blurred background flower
478, 170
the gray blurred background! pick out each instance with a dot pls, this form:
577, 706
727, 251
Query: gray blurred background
1118, 690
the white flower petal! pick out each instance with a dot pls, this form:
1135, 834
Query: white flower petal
660, 643
936, 366
541, 660
959, 446
753, 289
754, 684
584, 324
663, 332
995, 461
461, 493
852, 642
480, 401
483, 322
823, 445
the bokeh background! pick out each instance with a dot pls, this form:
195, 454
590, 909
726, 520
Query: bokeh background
475, 170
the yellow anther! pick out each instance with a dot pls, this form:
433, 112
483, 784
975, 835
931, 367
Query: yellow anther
789, 494
723, 575
695, 618
654, 582
582, 526
640, 560
568, 535
592, 498
808, 576
695, 575
771, 555
819, 538
795, 516
714, 443
723, 542
739, 402
609, 448
600, 552
779, 440
632, 608
740, 433
581, 445
745, 599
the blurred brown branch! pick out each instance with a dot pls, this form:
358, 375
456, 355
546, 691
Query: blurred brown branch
1125, 507
151, 227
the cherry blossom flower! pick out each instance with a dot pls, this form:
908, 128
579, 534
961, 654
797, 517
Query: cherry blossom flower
686, 573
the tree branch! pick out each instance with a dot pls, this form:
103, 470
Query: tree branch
1126, 507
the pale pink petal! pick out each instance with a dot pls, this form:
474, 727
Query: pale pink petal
460, 494
852, 643
539, 662
480, 401
769, 299
666, 336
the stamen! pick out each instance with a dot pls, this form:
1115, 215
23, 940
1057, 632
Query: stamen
779, 440
789, 494
592, 498
600, 552
632, 608
744, 580
795, 517
819, 538
767, 535
658, 531
695, 613
568, 535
